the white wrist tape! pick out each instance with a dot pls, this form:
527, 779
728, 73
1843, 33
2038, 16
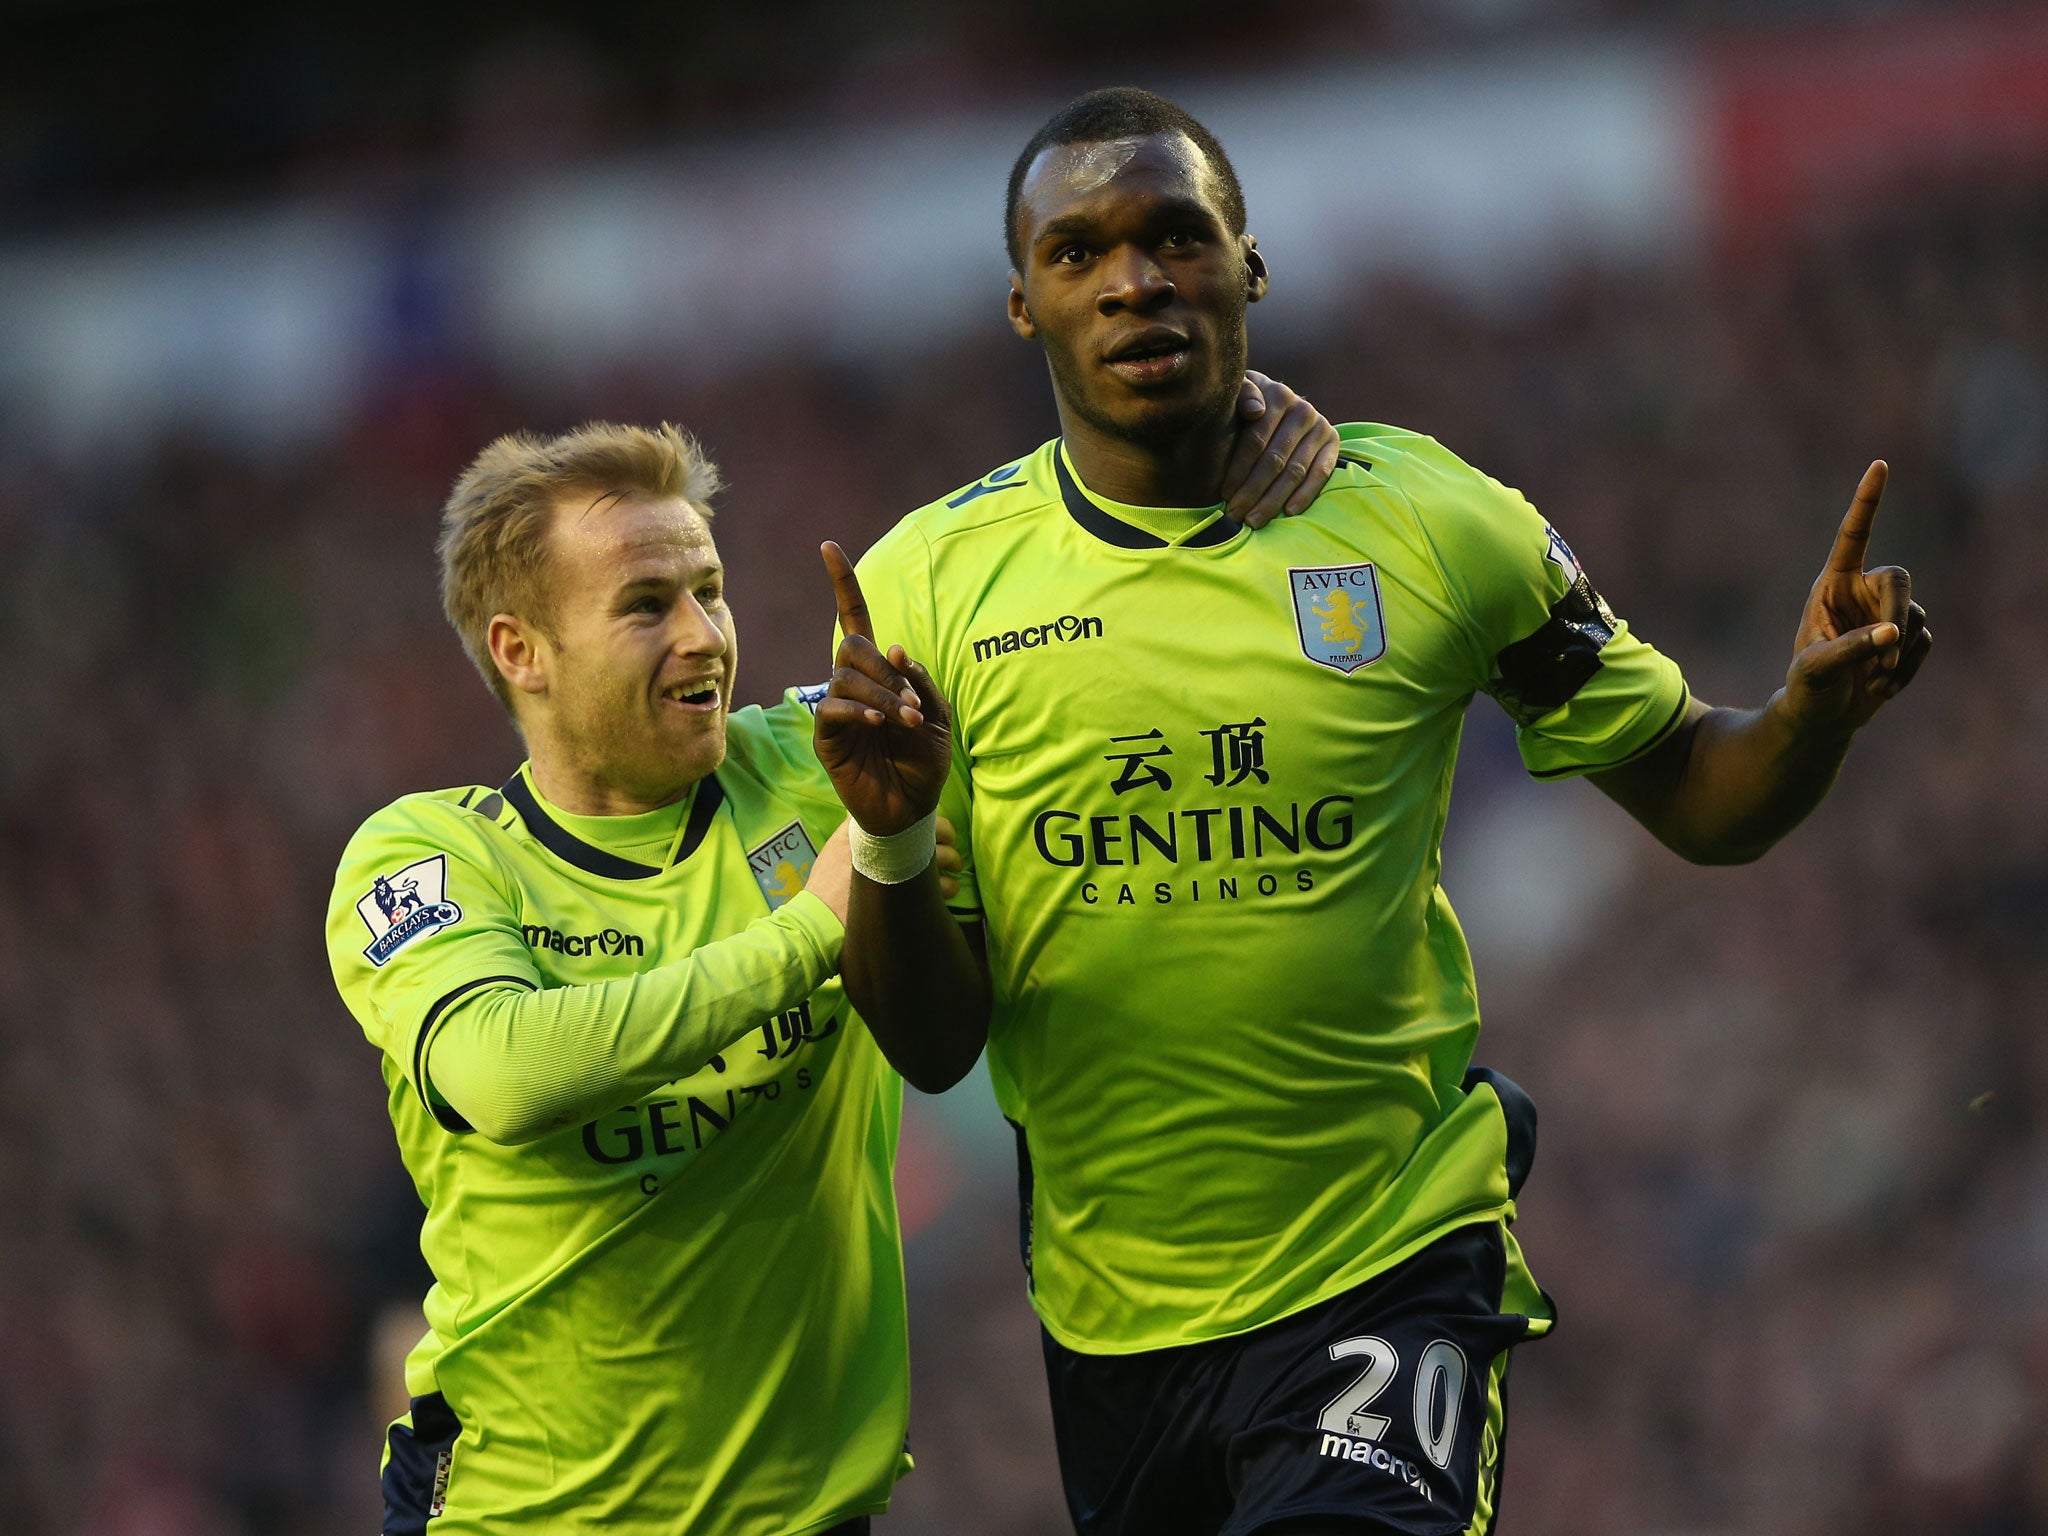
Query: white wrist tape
898, 857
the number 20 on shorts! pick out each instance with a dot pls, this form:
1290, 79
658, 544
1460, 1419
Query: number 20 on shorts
1439, 1394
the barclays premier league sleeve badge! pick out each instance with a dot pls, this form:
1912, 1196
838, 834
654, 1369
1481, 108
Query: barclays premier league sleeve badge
1559, 554
400, 908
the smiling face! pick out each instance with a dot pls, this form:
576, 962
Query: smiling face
1136, 286
625, 697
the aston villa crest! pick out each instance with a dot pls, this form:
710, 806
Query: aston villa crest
782, 865
1337, 615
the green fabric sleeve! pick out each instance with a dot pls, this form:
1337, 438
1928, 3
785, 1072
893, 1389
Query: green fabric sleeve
1584, 690
780, 739
453, 926
516, 1063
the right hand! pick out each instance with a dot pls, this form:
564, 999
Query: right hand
1861, 638
883, 730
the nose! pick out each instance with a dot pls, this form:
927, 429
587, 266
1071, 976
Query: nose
697, 633
1132, 280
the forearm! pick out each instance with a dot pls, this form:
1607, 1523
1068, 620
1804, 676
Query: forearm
913, 976
1737, 781
517, 1064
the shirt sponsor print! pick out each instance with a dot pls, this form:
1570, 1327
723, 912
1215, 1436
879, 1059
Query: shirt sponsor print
407, 905
1337, 615
782, 865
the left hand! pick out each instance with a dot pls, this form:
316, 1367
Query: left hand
883, 730
1862, 637
1285, 453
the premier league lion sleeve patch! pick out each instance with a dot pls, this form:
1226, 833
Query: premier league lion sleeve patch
405, 905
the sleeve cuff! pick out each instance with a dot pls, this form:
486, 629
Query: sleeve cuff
423, 1042
807, 913
1657, 719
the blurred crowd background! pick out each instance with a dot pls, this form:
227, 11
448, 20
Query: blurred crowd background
1792, 1195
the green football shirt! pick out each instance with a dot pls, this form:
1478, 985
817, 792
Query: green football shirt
1201, 780
686, 1313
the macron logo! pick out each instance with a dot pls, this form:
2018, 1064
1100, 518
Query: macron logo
1066, 627
1343, 1448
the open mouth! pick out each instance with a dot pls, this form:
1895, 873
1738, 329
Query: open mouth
1150, 359
701, 698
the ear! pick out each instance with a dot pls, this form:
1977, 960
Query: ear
519, 652
1020, 317
1256, 277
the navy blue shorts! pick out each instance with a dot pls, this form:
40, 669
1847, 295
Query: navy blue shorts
1383, 1409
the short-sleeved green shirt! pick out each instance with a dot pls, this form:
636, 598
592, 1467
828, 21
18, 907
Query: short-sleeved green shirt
1201, 780
686, 1313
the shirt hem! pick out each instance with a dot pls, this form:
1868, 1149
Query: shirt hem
1344, 1279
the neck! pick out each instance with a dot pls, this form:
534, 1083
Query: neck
584, 789
1183, 471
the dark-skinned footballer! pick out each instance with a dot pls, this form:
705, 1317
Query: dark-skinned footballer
1200, 776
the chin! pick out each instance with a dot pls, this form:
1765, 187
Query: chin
1157, 422
708, 757
700, 754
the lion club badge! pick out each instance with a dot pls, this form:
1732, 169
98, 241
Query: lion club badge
402, 907
1337, 615
1559, 554
782, 865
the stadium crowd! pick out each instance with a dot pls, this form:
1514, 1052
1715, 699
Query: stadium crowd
1792, 1196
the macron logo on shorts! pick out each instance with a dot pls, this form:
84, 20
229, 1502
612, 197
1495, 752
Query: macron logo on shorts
401, 907
1344, 1448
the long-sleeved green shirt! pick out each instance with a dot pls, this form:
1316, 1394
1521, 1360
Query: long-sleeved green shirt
655, 1146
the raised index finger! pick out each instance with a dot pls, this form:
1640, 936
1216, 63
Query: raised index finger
853, 607
1854, 538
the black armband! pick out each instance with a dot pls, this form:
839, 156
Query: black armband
1543, 671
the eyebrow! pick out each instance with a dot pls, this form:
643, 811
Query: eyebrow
1068, 224
711, 571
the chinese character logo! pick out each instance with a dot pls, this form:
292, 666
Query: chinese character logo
782, 865
1237, 753
410, 904
1138, 770
789, 1032
1337, 615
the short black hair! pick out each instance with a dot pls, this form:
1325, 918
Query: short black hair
1119, 112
